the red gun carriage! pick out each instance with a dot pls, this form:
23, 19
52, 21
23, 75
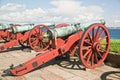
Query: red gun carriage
91, 39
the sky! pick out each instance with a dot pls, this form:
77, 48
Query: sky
60, 11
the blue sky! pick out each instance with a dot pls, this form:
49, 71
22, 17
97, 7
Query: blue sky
57, 11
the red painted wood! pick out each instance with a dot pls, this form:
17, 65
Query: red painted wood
91, 51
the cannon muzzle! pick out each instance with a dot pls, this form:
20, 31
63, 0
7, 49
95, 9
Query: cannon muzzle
4, 26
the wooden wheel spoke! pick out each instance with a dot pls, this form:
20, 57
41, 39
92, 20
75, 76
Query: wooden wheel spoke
104, 43
96, 35
41, 30
44, 44
41, 33
102, 38
39, 44
92, 59
96, 57
32, 39
86, 53
100, 34
102, 50
36, 30
89, 37
34, 42
89, 56
93, 34
88, 42
86, 47
100, 55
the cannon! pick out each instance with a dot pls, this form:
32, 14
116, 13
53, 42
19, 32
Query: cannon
3, 28
15, 34
4, 33
92, 40
20, 35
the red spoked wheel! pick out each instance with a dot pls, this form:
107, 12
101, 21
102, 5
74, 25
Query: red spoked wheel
36, 39
61, 25
94, 45
7, 36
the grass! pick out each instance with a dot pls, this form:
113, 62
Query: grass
115, 45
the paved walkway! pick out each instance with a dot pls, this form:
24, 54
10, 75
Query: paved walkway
55, 70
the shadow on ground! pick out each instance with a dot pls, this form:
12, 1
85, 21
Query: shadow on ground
25, 49
110, 75
65, 63
70, 63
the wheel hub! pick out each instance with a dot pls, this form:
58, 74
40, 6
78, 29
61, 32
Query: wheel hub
41, 37
96, 46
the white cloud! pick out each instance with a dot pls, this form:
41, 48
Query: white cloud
62, 11
68, 8
75, 11
11, 7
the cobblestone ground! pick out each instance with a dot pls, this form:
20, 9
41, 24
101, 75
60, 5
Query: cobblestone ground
55, 69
